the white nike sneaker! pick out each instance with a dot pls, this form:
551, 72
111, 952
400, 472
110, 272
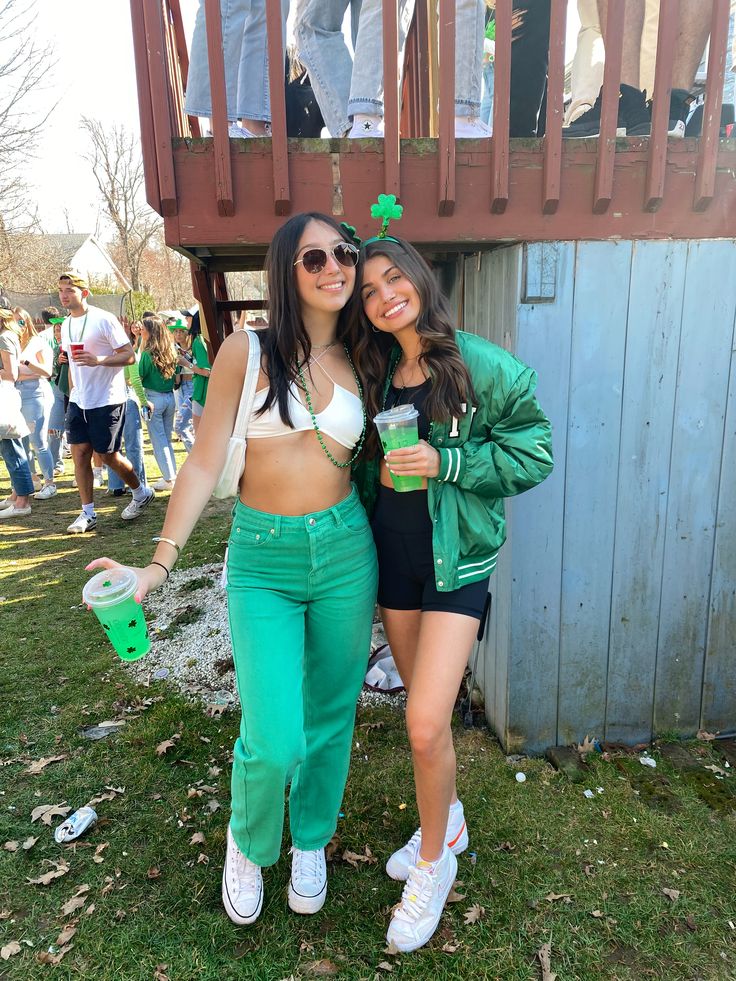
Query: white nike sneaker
135, 508
82, 524
456, 839
422, 901
242, 885
308, 883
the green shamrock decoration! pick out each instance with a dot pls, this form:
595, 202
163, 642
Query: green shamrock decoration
386, 208
352, 232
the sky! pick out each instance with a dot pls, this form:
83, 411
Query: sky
94, 76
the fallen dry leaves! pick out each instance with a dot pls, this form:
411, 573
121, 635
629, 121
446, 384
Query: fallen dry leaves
60, 868
455, 896
553, 897
673, 894
586, 746
197, 838
544, 954
47, 813
354, 858
473, 914
10, 950
97, 857
76, 902
167, 744
160, 972
11, 846
38, 766
322, 968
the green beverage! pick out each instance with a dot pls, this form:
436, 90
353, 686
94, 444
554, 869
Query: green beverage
110, 594
397, 428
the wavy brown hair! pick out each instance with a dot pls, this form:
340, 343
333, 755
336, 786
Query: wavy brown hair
160, 347
450, 382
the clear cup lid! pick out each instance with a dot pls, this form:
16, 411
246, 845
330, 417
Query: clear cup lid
110, 587
398, 414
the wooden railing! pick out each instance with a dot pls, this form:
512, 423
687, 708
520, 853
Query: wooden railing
162, 65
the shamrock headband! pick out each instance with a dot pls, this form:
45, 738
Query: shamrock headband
385, 208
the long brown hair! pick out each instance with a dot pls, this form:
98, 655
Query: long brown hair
27, 328
160, 347
450, 382
285, 334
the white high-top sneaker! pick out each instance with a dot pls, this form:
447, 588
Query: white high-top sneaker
422, 901
242, 885
456, 839
308, 883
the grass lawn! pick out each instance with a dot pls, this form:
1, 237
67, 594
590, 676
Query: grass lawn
548, 865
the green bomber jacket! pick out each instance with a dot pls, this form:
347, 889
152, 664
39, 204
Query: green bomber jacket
501, 447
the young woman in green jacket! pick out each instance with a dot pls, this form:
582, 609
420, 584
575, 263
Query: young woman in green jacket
483, 437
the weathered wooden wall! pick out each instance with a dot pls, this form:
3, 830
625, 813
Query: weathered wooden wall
615, 597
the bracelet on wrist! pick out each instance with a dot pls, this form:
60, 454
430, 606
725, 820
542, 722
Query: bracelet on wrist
161, 566
169, 541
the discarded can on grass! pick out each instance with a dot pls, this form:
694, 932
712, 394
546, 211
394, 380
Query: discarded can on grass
75, 825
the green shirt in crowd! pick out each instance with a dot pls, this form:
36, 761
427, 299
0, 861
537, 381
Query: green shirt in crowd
201, 360
152, 378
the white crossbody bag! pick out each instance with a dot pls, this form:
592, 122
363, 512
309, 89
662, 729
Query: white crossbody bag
229, 480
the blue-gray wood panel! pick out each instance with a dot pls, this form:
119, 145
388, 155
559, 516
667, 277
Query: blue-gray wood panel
650, 373
697, 447
543, 342
718, 712
594, 422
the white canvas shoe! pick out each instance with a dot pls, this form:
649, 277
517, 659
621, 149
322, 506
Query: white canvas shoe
45, 493
82, 524
242, 885
366, 126
422, 901
308, 883
456, 839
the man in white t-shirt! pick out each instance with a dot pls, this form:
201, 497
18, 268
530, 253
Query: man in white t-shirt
98, 350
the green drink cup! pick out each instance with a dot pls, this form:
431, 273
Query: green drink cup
397, 428
111, 593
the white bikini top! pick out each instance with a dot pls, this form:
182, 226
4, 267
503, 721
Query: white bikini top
341, 419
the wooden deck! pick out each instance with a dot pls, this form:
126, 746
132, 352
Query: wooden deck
223, 199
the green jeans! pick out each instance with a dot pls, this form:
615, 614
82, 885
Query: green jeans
301, 594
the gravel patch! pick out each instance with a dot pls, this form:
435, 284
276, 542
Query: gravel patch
190, 641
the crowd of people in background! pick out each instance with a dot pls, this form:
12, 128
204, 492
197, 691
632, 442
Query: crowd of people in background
348, 86
90, 404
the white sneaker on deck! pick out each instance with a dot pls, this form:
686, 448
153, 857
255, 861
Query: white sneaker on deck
456, 839
366, 126
135, 508
471, 128
308, 883
242, 885
418, 915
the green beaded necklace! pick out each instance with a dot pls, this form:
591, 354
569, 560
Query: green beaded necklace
317, 430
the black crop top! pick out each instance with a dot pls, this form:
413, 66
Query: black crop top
415, 395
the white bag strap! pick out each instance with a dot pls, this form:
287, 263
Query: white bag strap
249, 385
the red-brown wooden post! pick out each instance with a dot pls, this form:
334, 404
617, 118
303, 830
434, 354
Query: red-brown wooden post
657, 160
446, 149
552, 171
501, 108
216, 63
181, 49
391, 145
202, 282
423, 85
705, 176
156, 47
145, 109
279, 145
603, 192
176, 86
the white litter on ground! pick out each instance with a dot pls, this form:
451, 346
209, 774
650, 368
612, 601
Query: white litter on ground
190, 640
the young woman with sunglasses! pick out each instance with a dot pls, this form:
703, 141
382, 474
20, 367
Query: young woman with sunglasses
301, 564
483, 437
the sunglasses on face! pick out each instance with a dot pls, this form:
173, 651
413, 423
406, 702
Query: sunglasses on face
315, 260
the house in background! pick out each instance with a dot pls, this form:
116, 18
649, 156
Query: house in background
85, 254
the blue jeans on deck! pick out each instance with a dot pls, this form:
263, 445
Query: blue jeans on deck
56, 424
36, 403
486, 102
183, 417
14, 455
159, 430
246, 60
366, 89
133, 446
322, 50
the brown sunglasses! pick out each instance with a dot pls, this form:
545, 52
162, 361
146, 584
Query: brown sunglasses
315, 260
